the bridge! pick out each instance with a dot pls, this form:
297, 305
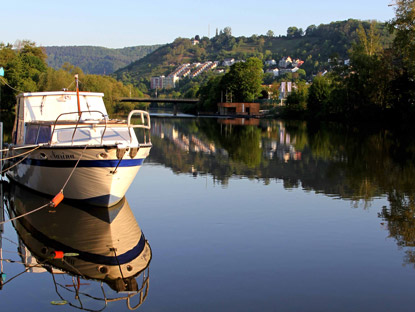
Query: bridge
175, 102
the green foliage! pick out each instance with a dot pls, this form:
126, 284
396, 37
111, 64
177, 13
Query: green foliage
243, 81
241, 84
96, 60
294, 32
210, 95
403, 59
296, 103
315, 47
363, 90
23, 68
26, 70
319, 96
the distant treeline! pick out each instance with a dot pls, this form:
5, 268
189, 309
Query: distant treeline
96, 60
26, 70
377, 85
314, 45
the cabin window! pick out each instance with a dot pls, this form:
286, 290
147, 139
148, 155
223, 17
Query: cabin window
44, 134
65, 135
31, 134
112, 134
37, 134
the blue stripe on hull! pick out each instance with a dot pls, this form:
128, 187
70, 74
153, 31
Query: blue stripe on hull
83, 163
124, 258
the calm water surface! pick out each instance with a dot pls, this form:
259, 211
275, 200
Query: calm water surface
264, 216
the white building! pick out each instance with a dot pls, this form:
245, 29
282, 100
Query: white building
270, 63
156, 82
274, 71
170, 82
228, 62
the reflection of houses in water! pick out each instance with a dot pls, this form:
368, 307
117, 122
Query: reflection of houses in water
239, 121
186, 142
281, 148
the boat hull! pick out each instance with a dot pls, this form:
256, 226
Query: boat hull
106, 244
99, 178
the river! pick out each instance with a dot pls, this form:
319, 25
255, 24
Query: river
247, 215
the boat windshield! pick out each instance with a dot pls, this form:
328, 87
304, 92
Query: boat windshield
91, 135
36, 134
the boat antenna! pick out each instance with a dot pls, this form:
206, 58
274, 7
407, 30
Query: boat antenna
77, 95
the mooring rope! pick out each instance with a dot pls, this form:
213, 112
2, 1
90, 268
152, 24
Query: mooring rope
23, 147
58, 197
15, 164
27, 269
5, 82
15, 156
73, 170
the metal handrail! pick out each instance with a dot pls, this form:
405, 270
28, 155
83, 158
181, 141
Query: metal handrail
145, 116
142, 114
77, 123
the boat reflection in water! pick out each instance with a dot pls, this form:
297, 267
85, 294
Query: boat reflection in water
91, 243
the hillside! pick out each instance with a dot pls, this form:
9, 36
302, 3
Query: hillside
96, 60
315, 46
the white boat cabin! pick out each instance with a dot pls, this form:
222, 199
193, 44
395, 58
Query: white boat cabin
56, 118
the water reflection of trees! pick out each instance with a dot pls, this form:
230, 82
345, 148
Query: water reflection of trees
348, 162
400, 217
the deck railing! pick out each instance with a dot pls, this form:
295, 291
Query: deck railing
92, 121
145, 122
143, 116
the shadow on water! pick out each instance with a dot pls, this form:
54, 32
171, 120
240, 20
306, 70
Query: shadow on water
103, 250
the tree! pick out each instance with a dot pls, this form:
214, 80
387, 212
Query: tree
244, 80
294, 32
270, 33
296, 103
319, 96
369, 40
291, 31
310, 30
23, 68
210, 94
403, 84
227, 31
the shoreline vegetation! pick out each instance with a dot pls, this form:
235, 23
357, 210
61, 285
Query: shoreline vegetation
376, 85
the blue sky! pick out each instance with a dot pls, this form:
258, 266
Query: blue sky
122, 23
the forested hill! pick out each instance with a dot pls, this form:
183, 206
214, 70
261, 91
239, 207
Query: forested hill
96, 60
315, 45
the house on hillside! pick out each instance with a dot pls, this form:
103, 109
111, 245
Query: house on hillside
169, 82
228, 62
285, 62
274, 71
297, 63
286, 87
156, 82
270, 63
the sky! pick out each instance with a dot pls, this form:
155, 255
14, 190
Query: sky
125, 23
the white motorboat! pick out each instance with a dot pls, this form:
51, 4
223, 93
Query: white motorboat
65, 141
